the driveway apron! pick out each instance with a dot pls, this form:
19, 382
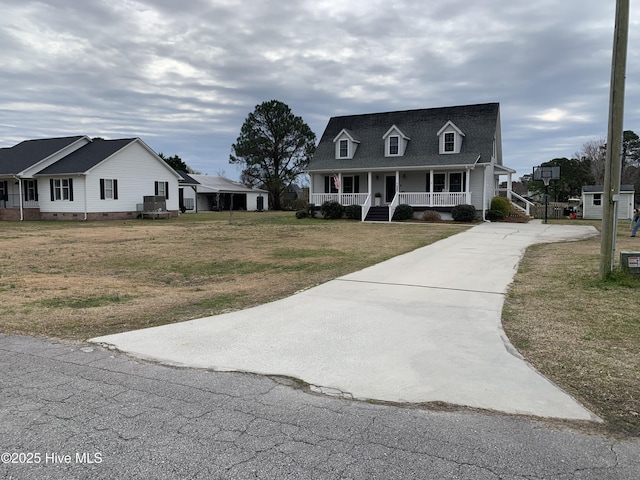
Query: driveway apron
421, 327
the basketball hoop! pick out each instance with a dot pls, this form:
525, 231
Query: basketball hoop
546, 174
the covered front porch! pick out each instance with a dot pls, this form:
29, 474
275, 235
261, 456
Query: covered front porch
418, 188
19, 199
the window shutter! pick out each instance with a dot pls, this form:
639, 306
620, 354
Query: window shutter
51, 188
25, 190
5, 191
35, 189
71, 189
327, 185
166, 190
115, 189
156, 188
102, 189
356, 184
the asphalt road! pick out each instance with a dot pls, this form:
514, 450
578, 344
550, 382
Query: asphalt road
83, 412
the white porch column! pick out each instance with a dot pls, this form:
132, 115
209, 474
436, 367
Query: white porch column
509, 185
397, 181
310, 188
370, 184
431, 188
340, 188
468, 186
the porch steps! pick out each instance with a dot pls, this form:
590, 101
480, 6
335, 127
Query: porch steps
377, 214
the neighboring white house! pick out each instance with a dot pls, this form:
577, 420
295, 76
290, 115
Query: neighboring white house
592, 197
200, 193
78, 178
433, 158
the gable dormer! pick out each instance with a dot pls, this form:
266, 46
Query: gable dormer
450, 138
395, 142
346, 144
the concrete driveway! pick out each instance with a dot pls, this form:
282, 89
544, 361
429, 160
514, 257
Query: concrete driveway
421, 327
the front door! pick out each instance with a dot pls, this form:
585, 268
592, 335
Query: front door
390, 188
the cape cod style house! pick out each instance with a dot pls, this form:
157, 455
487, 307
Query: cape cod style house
433, 158
78, 178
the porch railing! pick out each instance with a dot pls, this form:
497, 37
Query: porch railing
345, 199
13, 201
415, 199
440, 199
516, 200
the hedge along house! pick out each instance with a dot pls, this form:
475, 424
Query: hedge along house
433, 158
78, 178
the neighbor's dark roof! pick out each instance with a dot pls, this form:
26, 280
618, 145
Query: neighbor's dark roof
186, 179
15, 159
600, 188
477, 122
86, 157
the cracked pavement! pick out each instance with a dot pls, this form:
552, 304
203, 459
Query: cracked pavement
152, 421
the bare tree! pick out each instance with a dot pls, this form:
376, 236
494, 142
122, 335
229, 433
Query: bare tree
594, 152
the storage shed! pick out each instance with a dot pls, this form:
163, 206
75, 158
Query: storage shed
592, 198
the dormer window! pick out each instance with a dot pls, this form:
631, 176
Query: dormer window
393, 145
450, 138
346, 144
344, 149
395, 142
449, 142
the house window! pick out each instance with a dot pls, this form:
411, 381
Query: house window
30, 190
350, 184
108, 189
439, 182
61, 189
597, 199
449, 142
457, 182
4, 191
394, 142
344, 148
329, 185
162, 189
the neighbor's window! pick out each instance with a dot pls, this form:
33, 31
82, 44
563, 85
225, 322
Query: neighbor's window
439, 182
393, 145
456, 182
449, 142
108, 189
344, 148
597, 199
61, 189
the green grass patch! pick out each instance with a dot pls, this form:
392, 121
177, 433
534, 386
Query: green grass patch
83, 302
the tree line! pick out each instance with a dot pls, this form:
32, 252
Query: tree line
587, 167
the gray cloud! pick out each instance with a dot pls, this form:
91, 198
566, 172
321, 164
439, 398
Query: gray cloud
184, 76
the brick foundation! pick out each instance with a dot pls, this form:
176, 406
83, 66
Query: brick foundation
31, 214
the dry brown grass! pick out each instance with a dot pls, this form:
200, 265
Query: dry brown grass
77, 280
582, 333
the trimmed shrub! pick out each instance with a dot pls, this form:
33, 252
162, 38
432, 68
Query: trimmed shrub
494, 215
463, 213
353, 212
403, 212
501, 204
332, 210
311, 210
431, 216
302, 214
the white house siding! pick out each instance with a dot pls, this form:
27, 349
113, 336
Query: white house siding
594, 212
136, 170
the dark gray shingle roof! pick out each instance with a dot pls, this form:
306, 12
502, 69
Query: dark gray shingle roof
600, 188
29, 152
86, 157
477, 122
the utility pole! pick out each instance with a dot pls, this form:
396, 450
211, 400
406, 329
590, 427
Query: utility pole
614, 139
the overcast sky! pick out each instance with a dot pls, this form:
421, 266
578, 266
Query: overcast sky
183, 75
